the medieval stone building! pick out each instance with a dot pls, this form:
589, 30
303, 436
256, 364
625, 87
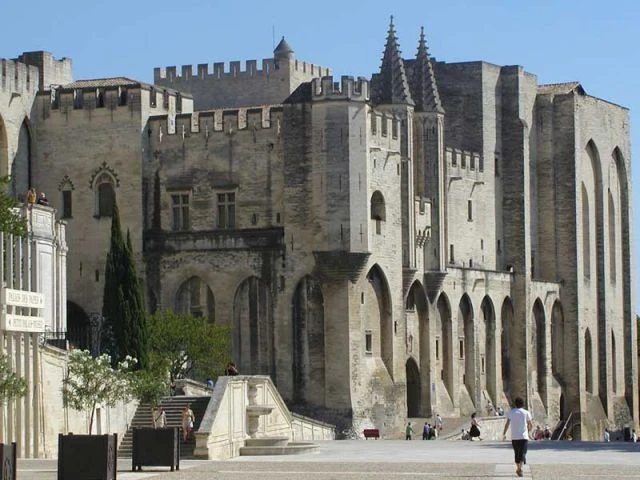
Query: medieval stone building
438, 238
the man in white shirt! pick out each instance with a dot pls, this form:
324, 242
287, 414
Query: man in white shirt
521, 424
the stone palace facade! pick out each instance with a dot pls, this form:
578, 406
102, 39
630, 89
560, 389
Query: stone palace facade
440, 237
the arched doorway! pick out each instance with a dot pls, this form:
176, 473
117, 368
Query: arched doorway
507, 342
253, 349
467, 348
417, 299
488, 357
308, 342
413, 389
78, 327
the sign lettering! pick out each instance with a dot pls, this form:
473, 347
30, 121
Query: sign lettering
23, 323
23, 298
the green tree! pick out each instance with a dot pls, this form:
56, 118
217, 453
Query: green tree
92, 381
149, 386
11, 386
188, 346
11, 221
123, 307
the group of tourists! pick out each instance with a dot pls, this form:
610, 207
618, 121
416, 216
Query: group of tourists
429, 432
32, 197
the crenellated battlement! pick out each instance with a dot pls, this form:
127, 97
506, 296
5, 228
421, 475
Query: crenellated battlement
216, 122
347, 89
206, 71
463, 161
111, 94
16, 77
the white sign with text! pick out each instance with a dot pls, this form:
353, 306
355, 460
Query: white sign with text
22, 298
23, 323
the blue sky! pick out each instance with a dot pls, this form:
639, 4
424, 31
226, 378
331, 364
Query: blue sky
595, 42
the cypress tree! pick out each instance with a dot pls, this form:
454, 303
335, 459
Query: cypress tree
123, 309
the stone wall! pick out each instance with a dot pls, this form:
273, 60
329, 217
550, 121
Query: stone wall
58, 419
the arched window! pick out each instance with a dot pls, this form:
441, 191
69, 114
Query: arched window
378, 213
105, 195
66, 189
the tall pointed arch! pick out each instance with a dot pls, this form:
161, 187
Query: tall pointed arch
382, 309
22, 161
467, 347
195, 297
625, 275
446, 325
253, 348
588, 361
417, 298
539, 346
599, 293
488, 366
307, 311
558, 342
586, 235
613, 244
508, 343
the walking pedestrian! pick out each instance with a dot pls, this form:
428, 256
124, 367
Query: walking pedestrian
187, 422
439, 422
409, 431
474, 431
426, 431
521, 424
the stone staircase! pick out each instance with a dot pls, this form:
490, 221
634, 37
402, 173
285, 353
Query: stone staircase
173, 409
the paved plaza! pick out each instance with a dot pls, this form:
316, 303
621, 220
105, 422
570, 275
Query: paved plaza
395, 460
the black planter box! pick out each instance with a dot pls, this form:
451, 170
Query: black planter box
8, 459
87, 457
155, 447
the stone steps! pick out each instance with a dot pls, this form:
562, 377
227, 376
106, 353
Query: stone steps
173, 410
275, 446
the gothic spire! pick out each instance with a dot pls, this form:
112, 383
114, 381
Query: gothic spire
391, 84
425, 89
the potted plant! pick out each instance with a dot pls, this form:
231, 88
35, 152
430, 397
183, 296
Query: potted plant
91, 382
11, 387
156, 445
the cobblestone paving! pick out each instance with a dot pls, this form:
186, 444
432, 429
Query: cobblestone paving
397, 460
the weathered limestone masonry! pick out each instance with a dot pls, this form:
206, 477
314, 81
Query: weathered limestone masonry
110, 116
439, 238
